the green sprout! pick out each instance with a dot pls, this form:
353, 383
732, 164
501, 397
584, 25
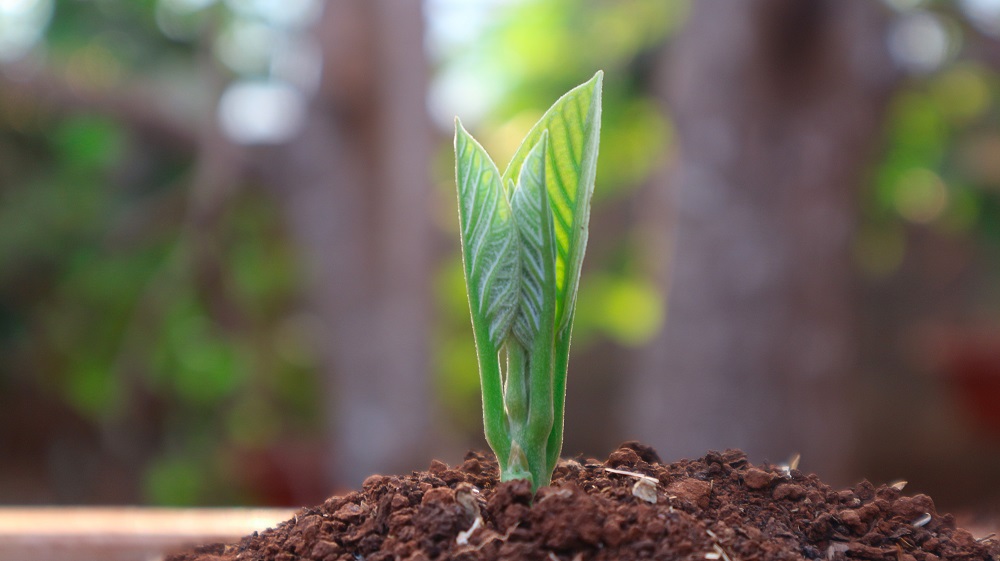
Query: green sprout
523, 238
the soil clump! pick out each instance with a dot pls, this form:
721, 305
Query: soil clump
719, 507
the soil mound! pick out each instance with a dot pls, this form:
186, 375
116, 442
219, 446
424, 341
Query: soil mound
719, 507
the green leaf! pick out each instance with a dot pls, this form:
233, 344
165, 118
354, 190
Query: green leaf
573, 124
533, 215
490, 247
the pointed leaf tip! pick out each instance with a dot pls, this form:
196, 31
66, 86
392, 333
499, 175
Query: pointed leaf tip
573, 125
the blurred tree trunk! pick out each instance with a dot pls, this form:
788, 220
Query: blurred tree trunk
778, 106
355, 189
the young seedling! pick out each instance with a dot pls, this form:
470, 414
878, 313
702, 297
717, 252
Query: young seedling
523, 238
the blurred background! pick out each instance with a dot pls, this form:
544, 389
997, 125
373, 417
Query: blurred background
229, 270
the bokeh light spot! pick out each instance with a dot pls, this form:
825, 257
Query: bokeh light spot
22, 23
920, 195
261, 112
984, 14
919, 41
246, 47
284, 13
962, 92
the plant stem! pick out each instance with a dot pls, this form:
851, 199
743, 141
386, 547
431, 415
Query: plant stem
516, 385
494, 420
555, 441
516, 401
540, 407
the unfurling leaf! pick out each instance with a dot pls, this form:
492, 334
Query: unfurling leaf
574, 126
523, 238
490, 247
533, 214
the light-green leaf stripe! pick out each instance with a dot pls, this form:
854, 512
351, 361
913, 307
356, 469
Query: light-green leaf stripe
490, 246
573, 124
533, 215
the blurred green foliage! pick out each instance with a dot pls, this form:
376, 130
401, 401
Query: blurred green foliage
940, 167
140, 321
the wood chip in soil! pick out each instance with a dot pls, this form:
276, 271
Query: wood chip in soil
719, 507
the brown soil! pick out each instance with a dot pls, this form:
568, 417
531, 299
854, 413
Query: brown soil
719, 507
